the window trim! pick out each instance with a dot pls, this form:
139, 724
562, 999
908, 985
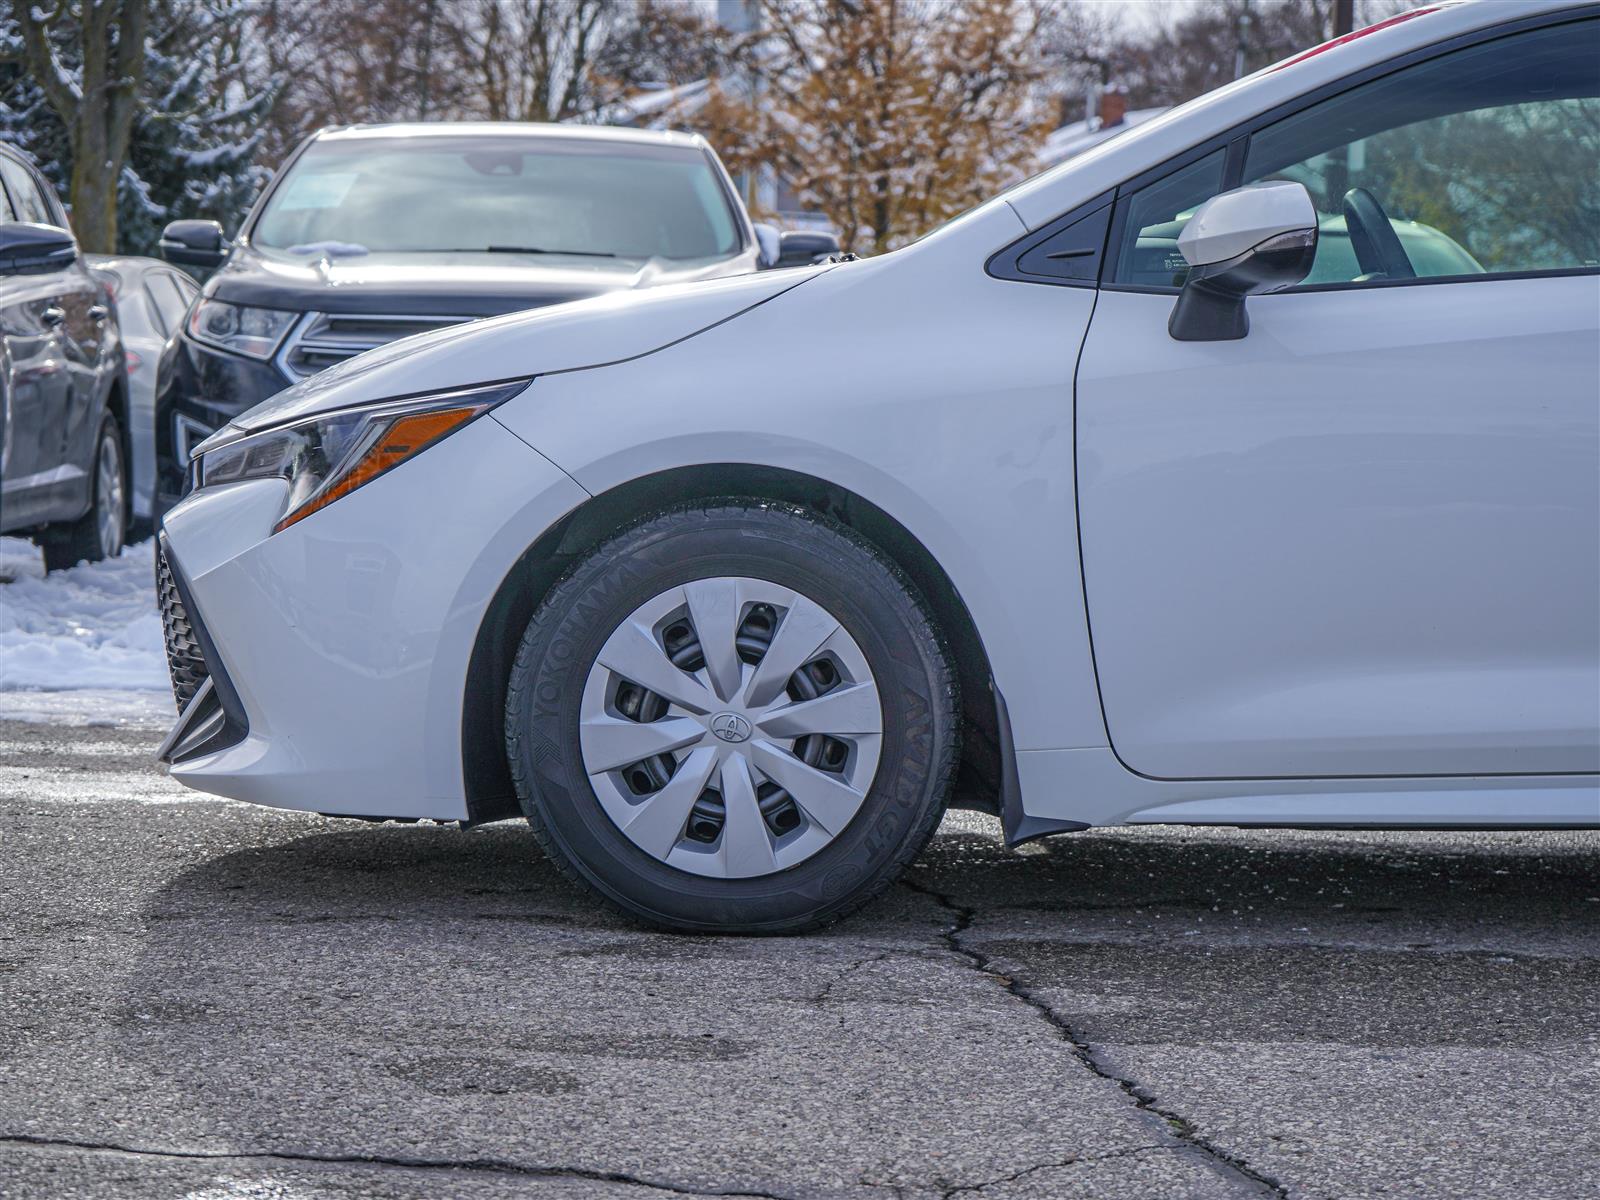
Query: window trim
1237, 141
1006, 262
1232, 169
1351, 285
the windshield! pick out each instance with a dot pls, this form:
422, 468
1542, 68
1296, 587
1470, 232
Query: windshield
497, 193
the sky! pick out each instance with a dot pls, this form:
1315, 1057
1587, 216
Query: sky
1147, 13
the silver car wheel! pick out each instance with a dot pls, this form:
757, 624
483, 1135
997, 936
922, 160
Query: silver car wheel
109, 524
730, 727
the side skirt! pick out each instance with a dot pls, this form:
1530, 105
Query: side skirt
1090, 787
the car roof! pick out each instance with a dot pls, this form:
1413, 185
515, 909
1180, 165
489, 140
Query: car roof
528, 129
1080, 179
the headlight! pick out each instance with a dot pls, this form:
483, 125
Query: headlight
253, 331
329, 456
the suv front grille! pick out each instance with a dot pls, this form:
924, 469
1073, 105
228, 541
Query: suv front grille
184, 658
320, 340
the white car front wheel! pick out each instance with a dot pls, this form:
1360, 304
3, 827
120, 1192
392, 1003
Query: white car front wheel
736, 716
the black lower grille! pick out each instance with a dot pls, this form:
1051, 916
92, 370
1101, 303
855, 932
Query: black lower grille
184, 659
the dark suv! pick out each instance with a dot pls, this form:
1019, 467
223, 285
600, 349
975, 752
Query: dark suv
63, 386
377, 232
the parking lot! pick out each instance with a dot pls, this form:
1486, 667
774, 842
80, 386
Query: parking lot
203, 999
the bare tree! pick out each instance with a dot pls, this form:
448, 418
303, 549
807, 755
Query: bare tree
662, 43
97, 100
1087, 51
343, 62
1192, 50
529, 60
349, 61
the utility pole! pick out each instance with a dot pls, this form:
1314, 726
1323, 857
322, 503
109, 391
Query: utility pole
425, 96
1241, 33
1344, 17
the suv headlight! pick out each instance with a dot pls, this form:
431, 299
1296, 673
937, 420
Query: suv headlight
331, 455
256, 332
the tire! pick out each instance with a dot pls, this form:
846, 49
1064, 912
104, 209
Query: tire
102, 531
884, 642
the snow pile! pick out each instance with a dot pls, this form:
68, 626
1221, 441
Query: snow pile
92, 631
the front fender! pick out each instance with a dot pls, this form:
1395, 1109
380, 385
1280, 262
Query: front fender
941, 395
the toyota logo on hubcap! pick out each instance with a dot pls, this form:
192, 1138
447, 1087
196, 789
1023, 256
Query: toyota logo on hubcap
730, 727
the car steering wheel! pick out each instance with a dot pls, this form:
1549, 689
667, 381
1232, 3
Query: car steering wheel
1372, 237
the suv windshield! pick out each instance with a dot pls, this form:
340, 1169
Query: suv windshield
510, 194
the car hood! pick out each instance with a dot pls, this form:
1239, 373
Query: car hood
566, 337
446, 285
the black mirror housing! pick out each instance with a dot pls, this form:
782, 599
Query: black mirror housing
193, 244
801, 248
1210, 307
30, 249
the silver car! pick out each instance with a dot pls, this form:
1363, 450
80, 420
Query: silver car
151, 299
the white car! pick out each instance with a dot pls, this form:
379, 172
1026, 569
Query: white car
1060, 524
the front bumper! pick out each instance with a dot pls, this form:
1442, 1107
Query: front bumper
210, 717
345, 639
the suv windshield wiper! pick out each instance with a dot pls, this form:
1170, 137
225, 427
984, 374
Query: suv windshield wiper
542, 250
515, 250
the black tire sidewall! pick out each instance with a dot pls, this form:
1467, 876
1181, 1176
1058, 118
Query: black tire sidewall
79, 541
787, 548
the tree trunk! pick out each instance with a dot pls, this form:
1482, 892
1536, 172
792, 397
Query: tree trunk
93, 190
99, 108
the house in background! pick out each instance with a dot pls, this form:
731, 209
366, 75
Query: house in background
1112, 116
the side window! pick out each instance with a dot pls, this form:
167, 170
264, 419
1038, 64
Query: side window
26, 200
1147, 248
1482, 160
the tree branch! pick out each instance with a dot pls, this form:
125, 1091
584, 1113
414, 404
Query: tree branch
58, 88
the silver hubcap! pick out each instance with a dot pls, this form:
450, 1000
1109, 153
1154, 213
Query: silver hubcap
731, 727
108, 491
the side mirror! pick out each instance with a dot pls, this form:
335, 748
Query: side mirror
193, 244
1255, 239
767, 243
801, 248
29, 249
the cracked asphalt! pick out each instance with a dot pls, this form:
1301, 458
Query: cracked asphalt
206, 1000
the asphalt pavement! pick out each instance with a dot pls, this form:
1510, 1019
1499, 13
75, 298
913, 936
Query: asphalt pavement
206, 1000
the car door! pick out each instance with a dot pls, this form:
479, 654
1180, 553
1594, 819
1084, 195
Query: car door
84, 332
1365, 538
38, 382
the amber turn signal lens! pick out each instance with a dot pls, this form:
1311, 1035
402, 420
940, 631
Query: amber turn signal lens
397, 441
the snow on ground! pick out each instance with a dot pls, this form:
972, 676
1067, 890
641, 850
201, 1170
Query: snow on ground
82, 646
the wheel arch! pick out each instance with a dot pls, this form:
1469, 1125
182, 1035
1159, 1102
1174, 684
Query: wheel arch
985, 775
